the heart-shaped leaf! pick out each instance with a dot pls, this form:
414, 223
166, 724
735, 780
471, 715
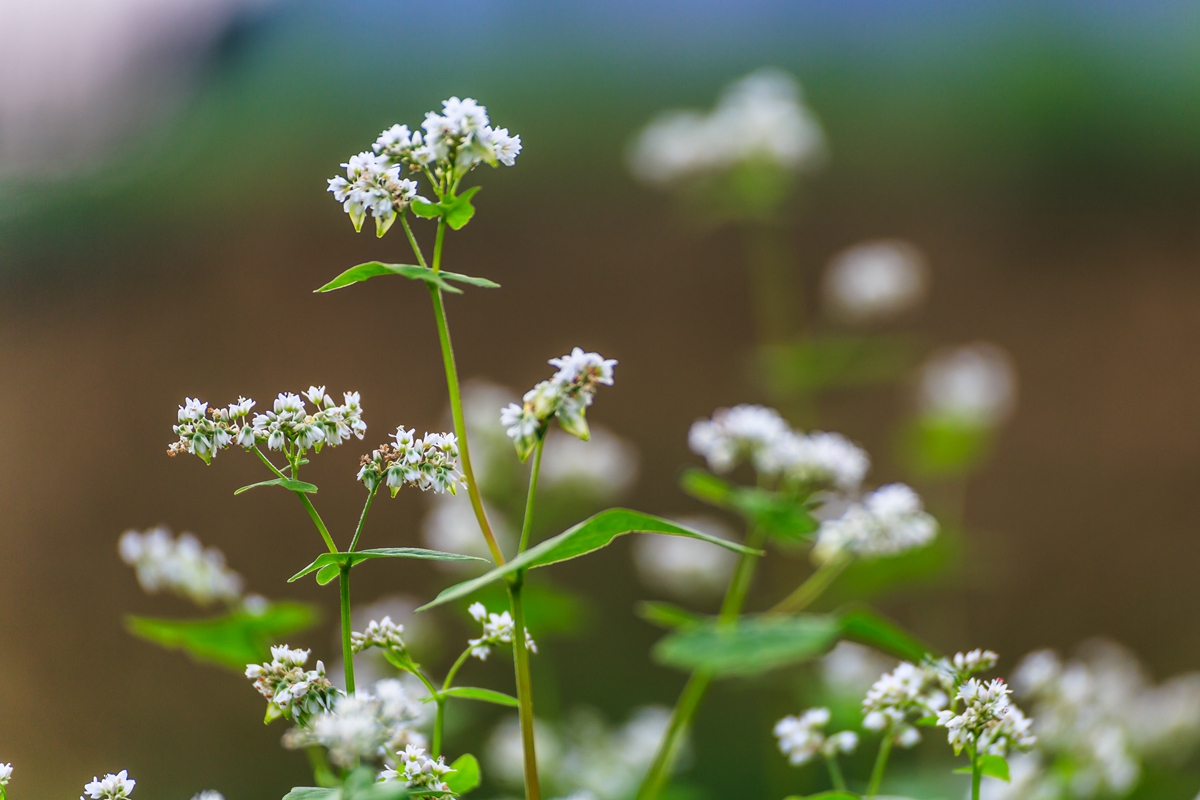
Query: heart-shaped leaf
466, 775
588, 536
751, 646
337, 560
458, 212
286, 483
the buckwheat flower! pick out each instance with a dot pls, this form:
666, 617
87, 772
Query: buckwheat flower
429, 463
566, 396
686, 568
987, 721
393, 142
110, 787
204, 432
290, 690
801, 738
506, 147
418, 770
973, 385
817, 459
887, 522
352, 730
181, 566
497, 629
6, 771
379, 633
192, 410
208, 794
735, 435
901, 697
875, 281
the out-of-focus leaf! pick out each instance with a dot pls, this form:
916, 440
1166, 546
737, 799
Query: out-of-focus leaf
823, 796
588, 536
373, 269
667, 615
232, 640
867, 578
991, 766
549, 610
939, 446
483, 695
754, 645
286, 483
466, 775
784, 515
834, 361
867, 627
357, 557
314, 793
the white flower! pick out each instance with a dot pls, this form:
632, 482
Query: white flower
208, 794
760, 118
429, 463
684, 567
110, 787
288, 688
6, 771
379, 633
497, 629
887, 522
817, 458
899, 698
565, 396
874, 281
738, 434
352, 730
988, 721
181, 566
417, 769
972, 385
801, 738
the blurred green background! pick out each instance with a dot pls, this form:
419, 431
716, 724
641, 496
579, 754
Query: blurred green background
1046, 157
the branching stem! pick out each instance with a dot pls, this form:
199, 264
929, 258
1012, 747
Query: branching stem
533, 482
813, 586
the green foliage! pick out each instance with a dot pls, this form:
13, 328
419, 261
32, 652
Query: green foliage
588, 536
231, 640
867, 627
944, 446
328, 565
286, 483
457, 211
991, 766
466, 775
549, 609
361, 785
825, 796
373, 269
752, 646
667, 615
784, 515
474, 693
830, 362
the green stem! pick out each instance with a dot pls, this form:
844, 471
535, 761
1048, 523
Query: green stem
439, 723
697, 684
362, 518
812, 587
454, 669
533, 481
885, 749
976, 778
835, 774
322, 774
316, 518
437, 244
533, 790
412, 240
267, 461
460, 427
347, 649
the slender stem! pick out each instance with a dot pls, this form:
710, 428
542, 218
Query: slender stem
460, 427
812, 587
322, 774
439, 723
533, 481
437, 244
362, 518
412, 240
347, 649
697, 685
267, 461
976, 778
533, 790
835, 774
454, 669
885, 749
316, 518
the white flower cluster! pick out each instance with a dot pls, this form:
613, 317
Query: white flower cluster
886, 522
801, 738
289, 689
761, 437
760, 118
373, 183
875, 281
208, 794
973, 385
289, 425
366, 724
566, 396
1099, 716
182, 566
418, 770
379, 633
6, 771
988, 722
430, 462
110, 787
905, 695
497, 629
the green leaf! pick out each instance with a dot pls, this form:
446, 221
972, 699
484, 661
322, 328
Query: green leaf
328, 574
821, 796
426, 210
468, 279
458, 211
232, 640
994, 767
337, 560
466, 775
484, 695
313, 793
786, 516
286, 483
833, 362
373, 269
752, 646
667, 615
588, 536
939, 446
865, 626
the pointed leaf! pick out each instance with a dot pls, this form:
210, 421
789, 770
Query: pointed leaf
466, 775
373, 269
667, 615
328, 574
994, 767
865, 626
586, 537
231, 640
286, 483
752, 646
468, 279
484, 695
426, 210
336, 560
313, 793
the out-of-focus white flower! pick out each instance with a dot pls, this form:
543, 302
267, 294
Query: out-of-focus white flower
817, 458
850, 668
887, 522
181, 566
972, 385
497, 629
430, 462
208, 794
736, 435
875, 281
1027, 781
899, 698
988, 721
801, 738
760, 118
684, 567
6, 771
566, 396
451, 526
604, 467
504, 752
110, 787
